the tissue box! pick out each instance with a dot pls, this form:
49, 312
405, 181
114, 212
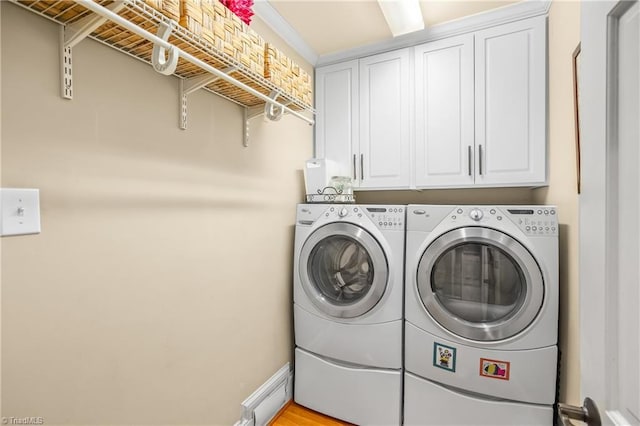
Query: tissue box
317, 174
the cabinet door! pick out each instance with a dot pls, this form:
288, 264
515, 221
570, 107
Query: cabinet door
511, 106
384, 120
444, 144
337, 115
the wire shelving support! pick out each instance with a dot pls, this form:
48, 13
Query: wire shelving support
93, 17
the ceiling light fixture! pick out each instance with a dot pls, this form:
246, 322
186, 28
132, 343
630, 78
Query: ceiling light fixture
403, 16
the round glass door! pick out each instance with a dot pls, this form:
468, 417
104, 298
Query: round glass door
343, 270
480, 284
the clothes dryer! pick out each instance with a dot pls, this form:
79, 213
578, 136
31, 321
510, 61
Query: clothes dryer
348, 311
481, 317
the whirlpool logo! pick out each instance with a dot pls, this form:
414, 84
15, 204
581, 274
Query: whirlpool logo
23, 420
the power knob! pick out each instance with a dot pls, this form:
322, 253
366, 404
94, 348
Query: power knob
343, 212
476, 214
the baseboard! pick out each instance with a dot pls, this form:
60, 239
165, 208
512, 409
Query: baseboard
268, 399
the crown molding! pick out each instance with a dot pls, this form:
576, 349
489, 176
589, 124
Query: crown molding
523, 10
275, 21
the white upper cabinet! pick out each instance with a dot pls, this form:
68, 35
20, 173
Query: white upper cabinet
337, 115
444, 138
510, 103
385, 120
463, 111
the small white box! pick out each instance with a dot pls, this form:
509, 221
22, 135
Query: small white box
318, 173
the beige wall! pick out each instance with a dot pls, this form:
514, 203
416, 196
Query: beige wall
564, 36
159, 291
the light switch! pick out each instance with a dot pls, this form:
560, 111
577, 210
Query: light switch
20, 211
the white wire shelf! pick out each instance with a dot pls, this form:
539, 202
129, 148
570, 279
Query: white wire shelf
132, 27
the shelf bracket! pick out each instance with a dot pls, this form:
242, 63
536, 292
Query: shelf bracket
190, 85
71, 35
76, 32
249, 113
271, 111
66, 68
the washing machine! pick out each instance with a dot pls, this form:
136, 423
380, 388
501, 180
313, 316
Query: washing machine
348, 311
481, 315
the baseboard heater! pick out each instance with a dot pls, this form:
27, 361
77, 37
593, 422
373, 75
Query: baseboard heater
268, 399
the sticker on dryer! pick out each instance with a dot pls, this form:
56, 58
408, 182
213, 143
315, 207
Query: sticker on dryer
495, 369
444, 357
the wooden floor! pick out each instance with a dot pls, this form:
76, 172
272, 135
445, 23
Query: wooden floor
296, 415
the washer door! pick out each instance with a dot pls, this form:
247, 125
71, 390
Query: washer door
480, 284
343, 270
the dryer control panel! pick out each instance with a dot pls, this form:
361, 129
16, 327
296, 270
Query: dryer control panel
532, 220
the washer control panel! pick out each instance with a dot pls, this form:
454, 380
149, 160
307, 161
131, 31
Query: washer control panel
385, 217
391, 217
541, 220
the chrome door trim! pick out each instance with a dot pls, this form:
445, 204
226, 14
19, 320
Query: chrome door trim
378, 258
491, 331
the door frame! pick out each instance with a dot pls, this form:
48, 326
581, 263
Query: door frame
599, 287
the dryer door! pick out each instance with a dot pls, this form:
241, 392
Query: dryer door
343, 270
480, 284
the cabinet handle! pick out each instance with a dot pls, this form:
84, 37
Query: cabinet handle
361, 167
354, 168
469, 158
480, 157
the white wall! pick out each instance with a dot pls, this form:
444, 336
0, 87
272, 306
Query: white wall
159, 291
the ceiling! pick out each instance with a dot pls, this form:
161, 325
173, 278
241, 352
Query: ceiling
330, 26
